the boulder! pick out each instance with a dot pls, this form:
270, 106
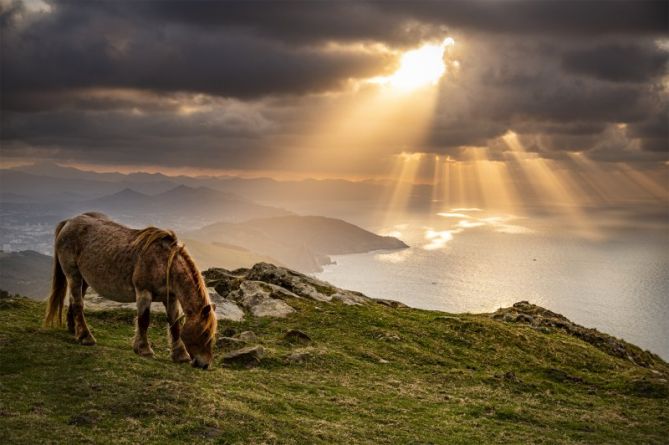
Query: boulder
225, 308
265, 289
248, 356
263, 299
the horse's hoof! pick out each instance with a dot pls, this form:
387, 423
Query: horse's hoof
144, 351
87, 340
180, 356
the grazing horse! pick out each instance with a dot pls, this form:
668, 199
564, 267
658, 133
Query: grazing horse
126, 265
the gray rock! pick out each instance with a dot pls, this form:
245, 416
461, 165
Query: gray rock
299, 356
303, 285
225, 309
296, 336
248, 337
537, 317
263, 299
389, 303
229, 343
272, 308
248, 356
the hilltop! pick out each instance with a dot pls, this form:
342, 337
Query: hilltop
336, 367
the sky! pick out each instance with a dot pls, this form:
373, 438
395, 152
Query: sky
337, 89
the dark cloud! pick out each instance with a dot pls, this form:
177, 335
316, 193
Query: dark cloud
618, 62
222, 84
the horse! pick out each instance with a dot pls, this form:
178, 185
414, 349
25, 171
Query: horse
126, 265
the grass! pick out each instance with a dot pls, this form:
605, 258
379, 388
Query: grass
373, 374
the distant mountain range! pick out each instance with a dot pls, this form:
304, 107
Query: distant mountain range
199, 205
222, 225
45, 177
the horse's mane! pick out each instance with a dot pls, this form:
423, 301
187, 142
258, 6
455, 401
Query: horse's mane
146, 237
150, 235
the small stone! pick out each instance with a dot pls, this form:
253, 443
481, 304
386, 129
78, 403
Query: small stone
248, 356
229, 343
524, 318
248, 337
390, 303
383, 361
299, 356
510, 376
296, 336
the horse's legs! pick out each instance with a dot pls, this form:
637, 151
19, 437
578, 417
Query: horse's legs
70, 308
141, 343
179, 353
75, 313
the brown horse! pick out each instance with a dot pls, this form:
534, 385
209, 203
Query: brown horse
126, 265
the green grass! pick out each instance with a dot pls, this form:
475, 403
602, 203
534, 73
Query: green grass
461, 379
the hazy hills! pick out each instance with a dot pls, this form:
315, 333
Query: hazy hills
27, 273
299, 242
47, 178
201, 205
222, 225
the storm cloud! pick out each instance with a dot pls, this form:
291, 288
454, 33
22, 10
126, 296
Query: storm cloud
223, 84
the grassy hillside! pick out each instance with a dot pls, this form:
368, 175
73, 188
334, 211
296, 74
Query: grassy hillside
372, 374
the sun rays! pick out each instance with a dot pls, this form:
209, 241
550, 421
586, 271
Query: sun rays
516, 181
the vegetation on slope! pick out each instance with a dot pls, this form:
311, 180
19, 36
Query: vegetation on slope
371, 374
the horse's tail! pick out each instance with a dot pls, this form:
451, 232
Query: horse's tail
54, 309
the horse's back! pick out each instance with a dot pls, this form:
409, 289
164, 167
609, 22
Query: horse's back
101, 251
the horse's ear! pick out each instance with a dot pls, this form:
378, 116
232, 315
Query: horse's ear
207, 310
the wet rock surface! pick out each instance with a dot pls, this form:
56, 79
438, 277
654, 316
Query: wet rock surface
545, 321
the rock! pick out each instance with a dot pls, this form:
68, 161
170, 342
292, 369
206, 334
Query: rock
545, 320
226, 309
95, 302
229, 343
510, 376
296, 336
263, 299
272, 308
248, 337
390, 303
248, 356
222, 280
383, 361
302, 285
299, 356
265, 289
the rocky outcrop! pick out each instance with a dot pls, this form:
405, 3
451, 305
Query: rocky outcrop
546, 321
266, 290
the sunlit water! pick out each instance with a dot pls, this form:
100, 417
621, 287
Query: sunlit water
482, 262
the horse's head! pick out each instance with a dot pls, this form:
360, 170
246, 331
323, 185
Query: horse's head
198, 335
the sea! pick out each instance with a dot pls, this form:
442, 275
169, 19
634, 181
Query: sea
600, 271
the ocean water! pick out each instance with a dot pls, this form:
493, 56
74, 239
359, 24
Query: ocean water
473, 261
